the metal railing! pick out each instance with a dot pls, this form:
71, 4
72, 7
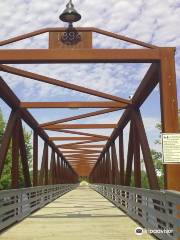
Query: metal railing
157, 211
17, 204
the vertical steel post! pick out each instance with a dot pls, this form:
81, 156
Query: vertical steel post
7, 138
137, 162
15, 157
46, 171
116, 167
110, 167
129, 157
35, 159
24, 157
121, 158
169, 111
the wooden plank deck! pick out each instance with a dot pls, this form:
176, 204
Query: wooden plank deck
81, 214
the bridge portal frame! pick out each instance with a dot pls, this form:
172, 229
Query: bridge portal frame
162, 71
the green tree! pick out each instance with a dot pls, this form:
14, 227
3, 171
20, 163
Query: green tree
5, 181
144, 180
5, 178
157, 156
2, 125
27, 138
157, 160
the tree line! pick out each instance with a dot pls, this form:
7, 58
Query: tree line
5, 180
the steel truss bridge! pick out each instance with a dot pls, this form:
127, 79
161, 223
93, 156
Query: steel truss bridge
107, 170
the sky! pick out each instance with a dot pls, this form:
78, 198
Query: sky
152, 21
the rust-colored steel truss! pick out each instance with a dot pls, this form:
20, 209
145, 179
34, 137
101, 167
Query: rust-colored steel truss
82, 156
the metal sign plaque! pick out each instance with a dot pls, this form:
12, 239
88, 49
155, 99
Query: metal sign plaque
171, 147
70, 40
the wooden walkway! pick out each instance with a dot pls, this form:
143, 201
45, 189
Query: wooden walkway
81, 214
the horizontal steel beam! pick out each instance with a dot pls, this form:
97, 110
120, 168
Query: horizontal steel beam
76, 138
83, 142
80, 151
83, 133
80, 163
80, 146
108, 104
81, 116
77, 166
80, 126
32, 56
82, 155
81, 159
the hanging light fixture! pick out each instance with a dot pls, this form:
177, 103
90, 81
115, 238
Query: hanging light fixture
70, 15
